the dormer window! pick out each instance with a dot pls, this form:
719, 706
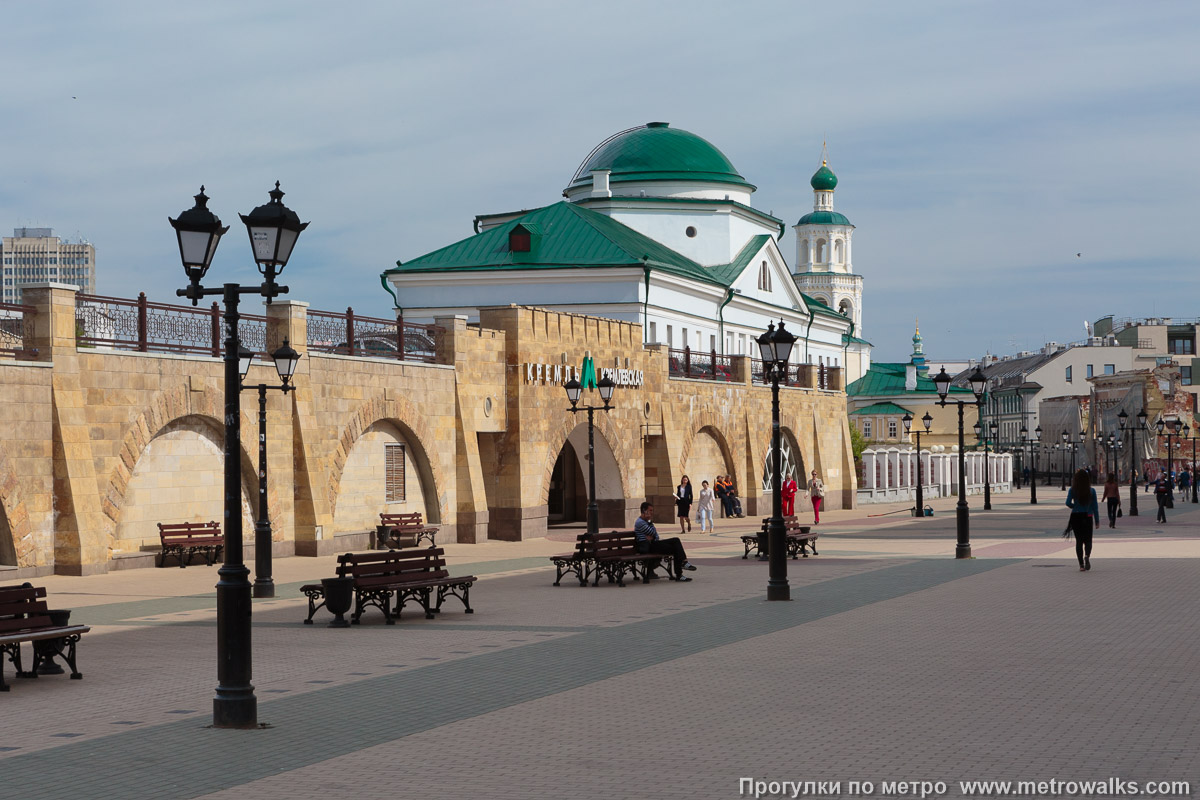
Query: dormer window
520, 240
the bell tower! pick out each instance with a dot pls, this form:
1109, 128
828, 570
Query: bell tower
824, 268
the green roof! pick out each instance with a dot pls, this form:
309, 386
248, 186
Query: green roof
887, 380
824, 218
848, 339
570, 236
823, 180
882, 409
815, 306
658, 152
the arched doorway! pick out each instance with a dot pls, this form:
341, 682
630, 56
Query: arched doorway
792, 466
705, 461
567, 499
385, 472
8, 549
179, 478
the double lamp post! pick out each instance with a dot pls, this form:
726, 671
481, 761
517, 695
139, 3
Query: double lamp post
775, 347
1123, 420
1033, 445
574, 389
273, 229
962, 512
927, 421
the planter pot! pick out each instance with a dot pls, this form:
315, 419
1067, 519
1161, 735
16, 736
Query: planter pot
48, 648
339, 596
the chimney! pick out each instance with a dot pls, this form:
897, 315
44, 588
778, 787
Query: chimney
910, 377
600, 183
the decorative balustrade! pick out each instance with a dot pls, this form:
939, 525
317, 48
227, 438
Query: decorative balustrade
139, 325
889, 474
710, 366
349, 334
16, 330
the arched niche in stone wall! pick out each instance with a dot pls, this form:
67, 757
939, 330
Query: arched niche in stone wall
567, 490
179, 477
793, 461
706, 459
8, 548
386, 471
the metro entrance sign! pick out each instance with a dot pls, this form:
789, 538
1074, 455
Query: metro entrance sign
561, 373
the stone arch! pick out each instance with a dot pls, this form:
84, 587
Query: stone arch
804, 251
16, 534
706, 422
822, 254
794, 457
846, 307
837, 251
607, 433
416, 431
167, 407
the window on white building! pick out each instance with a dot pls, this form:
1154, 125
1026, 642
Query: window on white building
891, 429
866, 428
670, 340
1110, 369
683, 338
764, 277
1068, 374
653, 333
1089, 370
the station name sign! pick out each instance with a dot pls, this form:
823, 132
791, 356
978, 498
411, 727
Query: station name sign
561, 373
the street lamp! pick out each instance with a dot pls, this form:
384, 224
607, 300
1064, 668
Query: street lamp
1033, 444
1173, 427
286, 359
978, 383
775, 347
1066, 439
986, 431
199, 231
1123, 419
927, 421
574, 390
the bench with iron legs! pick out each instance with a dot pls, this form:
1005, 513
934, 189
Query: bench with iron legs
184, 539
616, 554
403, 530
800, 539
392, 579
25, 618
579, 562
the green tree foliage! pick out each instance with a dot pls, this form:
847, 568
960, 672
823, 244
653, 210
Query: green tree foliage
857, 442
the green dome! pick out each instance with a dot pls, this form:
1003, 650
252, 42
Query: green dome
658, 152
823, 180
824, 218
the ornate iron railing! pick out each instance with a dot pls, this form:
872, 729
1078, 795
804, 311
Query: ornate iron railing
688, 363
821, 375
349, 334
16, 330
139, 325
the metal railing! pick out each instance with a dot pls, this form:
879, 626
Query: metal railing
141, 326
710, 366
349, 334
16, 330
822, 375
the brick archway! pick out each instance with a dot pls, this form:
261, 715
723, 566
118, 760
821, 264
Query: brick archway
558, 439
403, 415
15, 512
166, 408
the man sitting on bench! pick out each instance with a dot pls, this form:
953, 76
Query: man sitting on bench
648, 542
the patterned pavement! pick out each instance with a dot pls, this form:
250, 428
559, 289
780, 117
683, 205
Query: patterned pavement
892, 662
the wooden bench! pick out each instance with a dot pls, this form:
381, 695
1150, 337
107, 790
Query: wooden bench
184, 539
25, 618
616, 553
800, 538
400, 575
580, 562
403, 530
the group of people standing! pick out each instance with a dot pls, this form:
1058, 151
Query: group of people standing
725, 491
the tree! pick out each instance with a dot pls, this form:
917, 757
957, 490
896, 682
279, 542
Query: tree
858, 442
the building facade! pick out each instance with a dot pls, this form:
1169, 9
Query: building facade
657, 228
36, 255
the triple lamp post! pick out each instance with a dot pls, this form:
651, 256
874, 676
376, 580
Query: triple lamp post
574, 389
962, 512
775, 347
273, 229
927, 421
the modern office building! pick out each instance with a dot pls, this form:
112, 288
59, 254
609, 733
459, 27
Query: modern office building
36, 255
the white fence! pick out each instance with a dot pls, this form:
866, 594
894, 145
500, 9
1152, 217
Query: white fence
890, 473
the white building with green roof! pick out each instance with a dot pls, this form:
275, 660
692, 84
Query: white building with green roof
656, 227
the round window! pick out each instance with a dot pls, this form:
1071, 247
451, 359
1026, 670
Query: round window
487, 407
691, 232
647, 409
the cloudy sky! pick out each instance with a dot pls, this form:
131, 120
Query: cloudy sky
979, 146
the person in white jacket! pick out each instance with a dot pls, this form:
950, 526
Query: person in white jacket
704, 507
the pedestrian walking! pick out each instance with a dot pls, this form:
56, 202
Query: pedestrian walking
1185, 482
1081, 499
683, 504
1112, 497
788, 492
704, 506
816, 493
1162, 494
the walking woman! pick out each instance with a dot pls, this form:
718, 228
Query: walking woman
1112, 495
1081, 499
683, 504
1162, 494
704, 506
816, 493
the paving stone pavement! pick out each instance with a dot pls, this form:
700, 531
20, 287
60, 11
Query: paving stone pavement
907, 667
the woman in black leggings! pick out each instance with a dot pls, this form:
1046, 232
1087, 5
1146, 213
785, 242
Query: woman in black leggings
1081, 499
1112, 496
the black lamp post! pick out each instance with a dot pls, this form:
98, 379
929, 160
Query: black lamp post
285, 359
775, 347
1172, 429
1194, 437
1123, 418
927, 421
1033, 445
986, 431
273, 230
962, 512
574, 389
1066, 438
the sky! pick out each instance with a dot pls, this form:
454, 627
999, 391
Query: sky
1012, 168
